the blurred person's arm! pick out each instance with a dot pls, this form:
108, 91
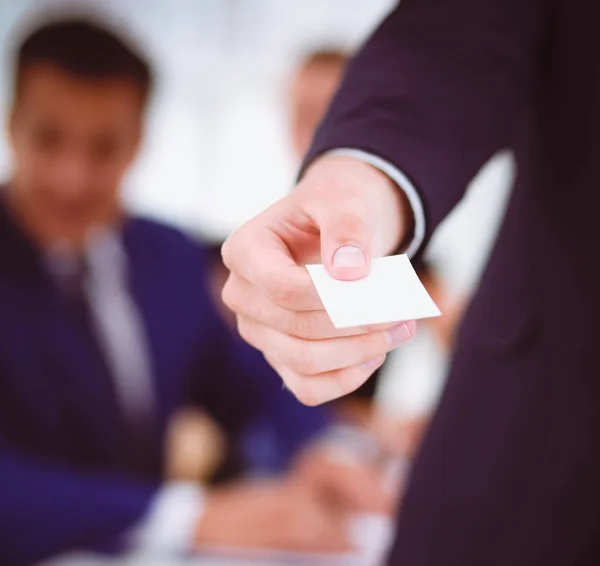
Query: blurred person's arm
348, 466
275, 514
48, 508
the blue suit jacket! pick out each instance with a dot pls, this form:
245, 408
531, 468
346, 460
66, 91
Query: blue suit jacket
64, 475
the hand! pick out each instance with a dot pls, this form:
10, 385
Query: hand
275, 515
401, 437
347, 483
342, 213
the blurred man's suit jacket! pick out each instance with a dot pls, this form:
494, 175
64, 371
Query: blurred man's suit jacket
68, 475
510, 470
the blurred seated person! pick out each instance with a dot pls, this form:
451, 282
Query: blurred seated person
312, 86
107, 327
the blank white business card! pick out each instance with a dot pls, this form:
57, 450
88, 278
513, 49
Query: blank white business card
392, 292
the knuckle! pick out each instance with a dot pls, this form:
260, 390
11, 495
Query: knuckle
273, 363
245, 330
350, 218
242, 329
227, 250
367, 347
306, 362
285, 294
307, 325
376, 344
306, 394
229, 294
351, 379
350, 224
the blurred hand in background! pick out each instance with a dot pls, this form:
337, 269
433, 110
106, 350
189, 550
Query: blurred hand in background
280, 514
346, 483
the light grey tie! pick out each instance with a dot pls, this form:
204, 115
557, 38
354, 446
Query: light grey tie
119, 326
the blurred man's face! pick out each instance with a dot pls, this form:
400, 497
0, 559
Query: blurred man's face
312, 89
73, 140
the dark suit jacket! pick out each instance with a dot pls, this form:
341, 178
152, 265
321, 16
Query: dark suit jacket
509, 473
65, 473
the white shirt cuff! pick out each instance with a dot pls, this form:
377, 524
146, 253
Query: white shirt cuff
171, 520
403, 182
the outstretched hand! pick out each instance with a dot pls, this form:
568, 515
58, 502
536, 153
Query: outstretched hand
342, 213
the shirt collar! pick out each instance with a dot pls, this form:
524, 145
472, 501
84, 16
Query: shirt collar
103, 254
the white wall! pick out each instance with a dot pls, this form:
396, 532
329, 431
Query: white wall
216, 150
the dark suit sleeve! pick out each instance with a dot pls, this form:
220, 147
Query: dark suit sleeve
48, 509
437, 90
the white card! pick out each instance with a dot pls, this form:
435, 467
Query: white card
392, 292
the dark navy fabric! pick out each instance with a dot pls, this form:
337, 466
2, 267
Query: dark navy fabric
66, 473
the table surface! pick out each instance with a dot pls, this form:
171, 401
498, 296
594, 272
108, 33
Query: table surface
371, 535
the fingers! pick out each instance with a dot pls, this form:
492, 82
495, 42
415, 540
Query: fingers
313, 357
327, 533
260, 257
318, 389
362, 487
314, 525
341, 477
270, 515
242, 298
317, 371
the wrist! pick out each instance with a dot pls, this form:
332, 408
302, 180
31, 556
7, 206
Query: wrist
170, 521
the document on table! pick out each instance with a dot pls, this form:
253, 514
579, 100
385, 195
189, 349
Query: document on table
392, 292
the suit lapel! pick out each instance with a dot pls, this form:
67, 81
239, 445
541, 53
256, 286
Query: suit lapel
69, 345
62, 358
151, 299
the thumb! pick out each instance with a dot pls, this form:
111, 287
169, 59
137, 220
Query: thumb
345, 241
349, 262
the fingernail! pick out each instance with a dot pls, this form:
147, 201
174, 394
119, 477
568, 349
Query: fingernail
372, 365
398, 334
349, 256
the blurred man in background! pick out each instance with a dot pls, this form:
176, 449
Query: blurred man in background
313, 85
107, 327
